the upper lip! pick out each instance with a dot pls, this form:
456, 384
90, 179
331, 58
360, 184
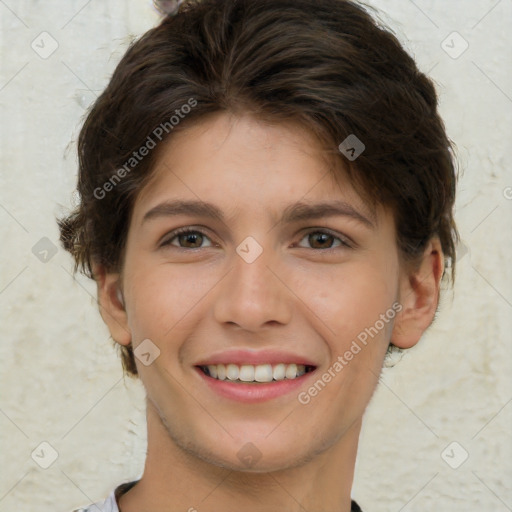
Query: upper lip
240, 357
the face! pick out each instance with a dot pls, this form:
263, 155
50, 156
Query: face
268, 280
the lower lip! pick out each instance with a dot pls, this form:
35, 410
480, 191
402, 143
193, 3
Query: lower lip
253, 393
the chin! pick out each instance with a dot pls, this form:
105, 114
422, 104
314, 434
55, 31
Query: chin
261, 455
262, 462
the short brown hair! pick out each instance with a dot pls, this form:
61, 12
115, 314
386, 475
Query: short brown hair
323, 63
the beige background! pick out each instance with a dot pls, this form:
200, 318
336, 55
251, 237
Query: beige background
61, 380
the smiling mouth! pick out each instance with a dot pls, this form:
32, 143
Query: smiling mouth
248, 373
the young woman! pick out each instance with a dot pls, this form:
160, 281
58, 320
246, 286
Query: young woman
267, 197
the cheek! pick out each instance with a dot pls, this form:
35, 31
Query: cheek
165, 297
350, 297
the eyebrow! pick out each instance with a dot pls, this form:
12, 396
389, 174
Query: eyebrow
296, 212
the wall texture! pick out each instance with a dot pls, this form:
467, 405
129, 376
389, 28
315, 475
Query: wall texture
61, 379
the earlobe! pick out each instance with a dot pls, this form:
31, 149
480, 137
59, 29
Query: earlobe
419, 296
112, 305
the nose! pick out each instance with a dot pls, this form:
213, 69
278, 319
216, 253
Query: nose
254, 295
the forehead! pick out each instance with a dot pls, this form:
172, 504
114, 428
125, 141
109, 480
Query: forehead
245, 163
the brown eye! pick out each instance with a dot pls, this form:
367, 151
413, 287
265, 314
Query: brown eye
194, 239
186, 239
323, 240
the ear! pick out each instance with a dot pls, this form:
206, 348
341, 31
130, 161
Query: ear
419, 296
111, 304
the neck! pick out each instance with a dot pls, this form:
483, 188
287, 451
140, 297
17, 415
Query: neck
176, 480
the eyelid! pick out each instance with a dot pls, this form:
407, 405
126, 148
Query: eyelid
168, 237
345, 241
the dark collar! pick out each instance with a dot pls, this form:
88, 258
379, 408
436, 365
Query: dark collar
124, 488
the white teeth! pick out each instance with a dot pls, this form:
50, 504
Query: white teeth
263, 373
221, 371
279, 372
232, 372
291, 371
256, 373
246, 373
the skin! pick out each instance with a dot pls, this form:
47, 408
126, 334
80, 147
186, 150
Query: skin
312, 296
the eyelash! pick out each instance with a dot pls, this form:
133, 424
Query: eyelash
344, 242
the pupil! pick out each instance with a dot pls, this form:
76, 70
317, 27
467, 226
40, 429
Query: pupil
322, 237
191, 238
